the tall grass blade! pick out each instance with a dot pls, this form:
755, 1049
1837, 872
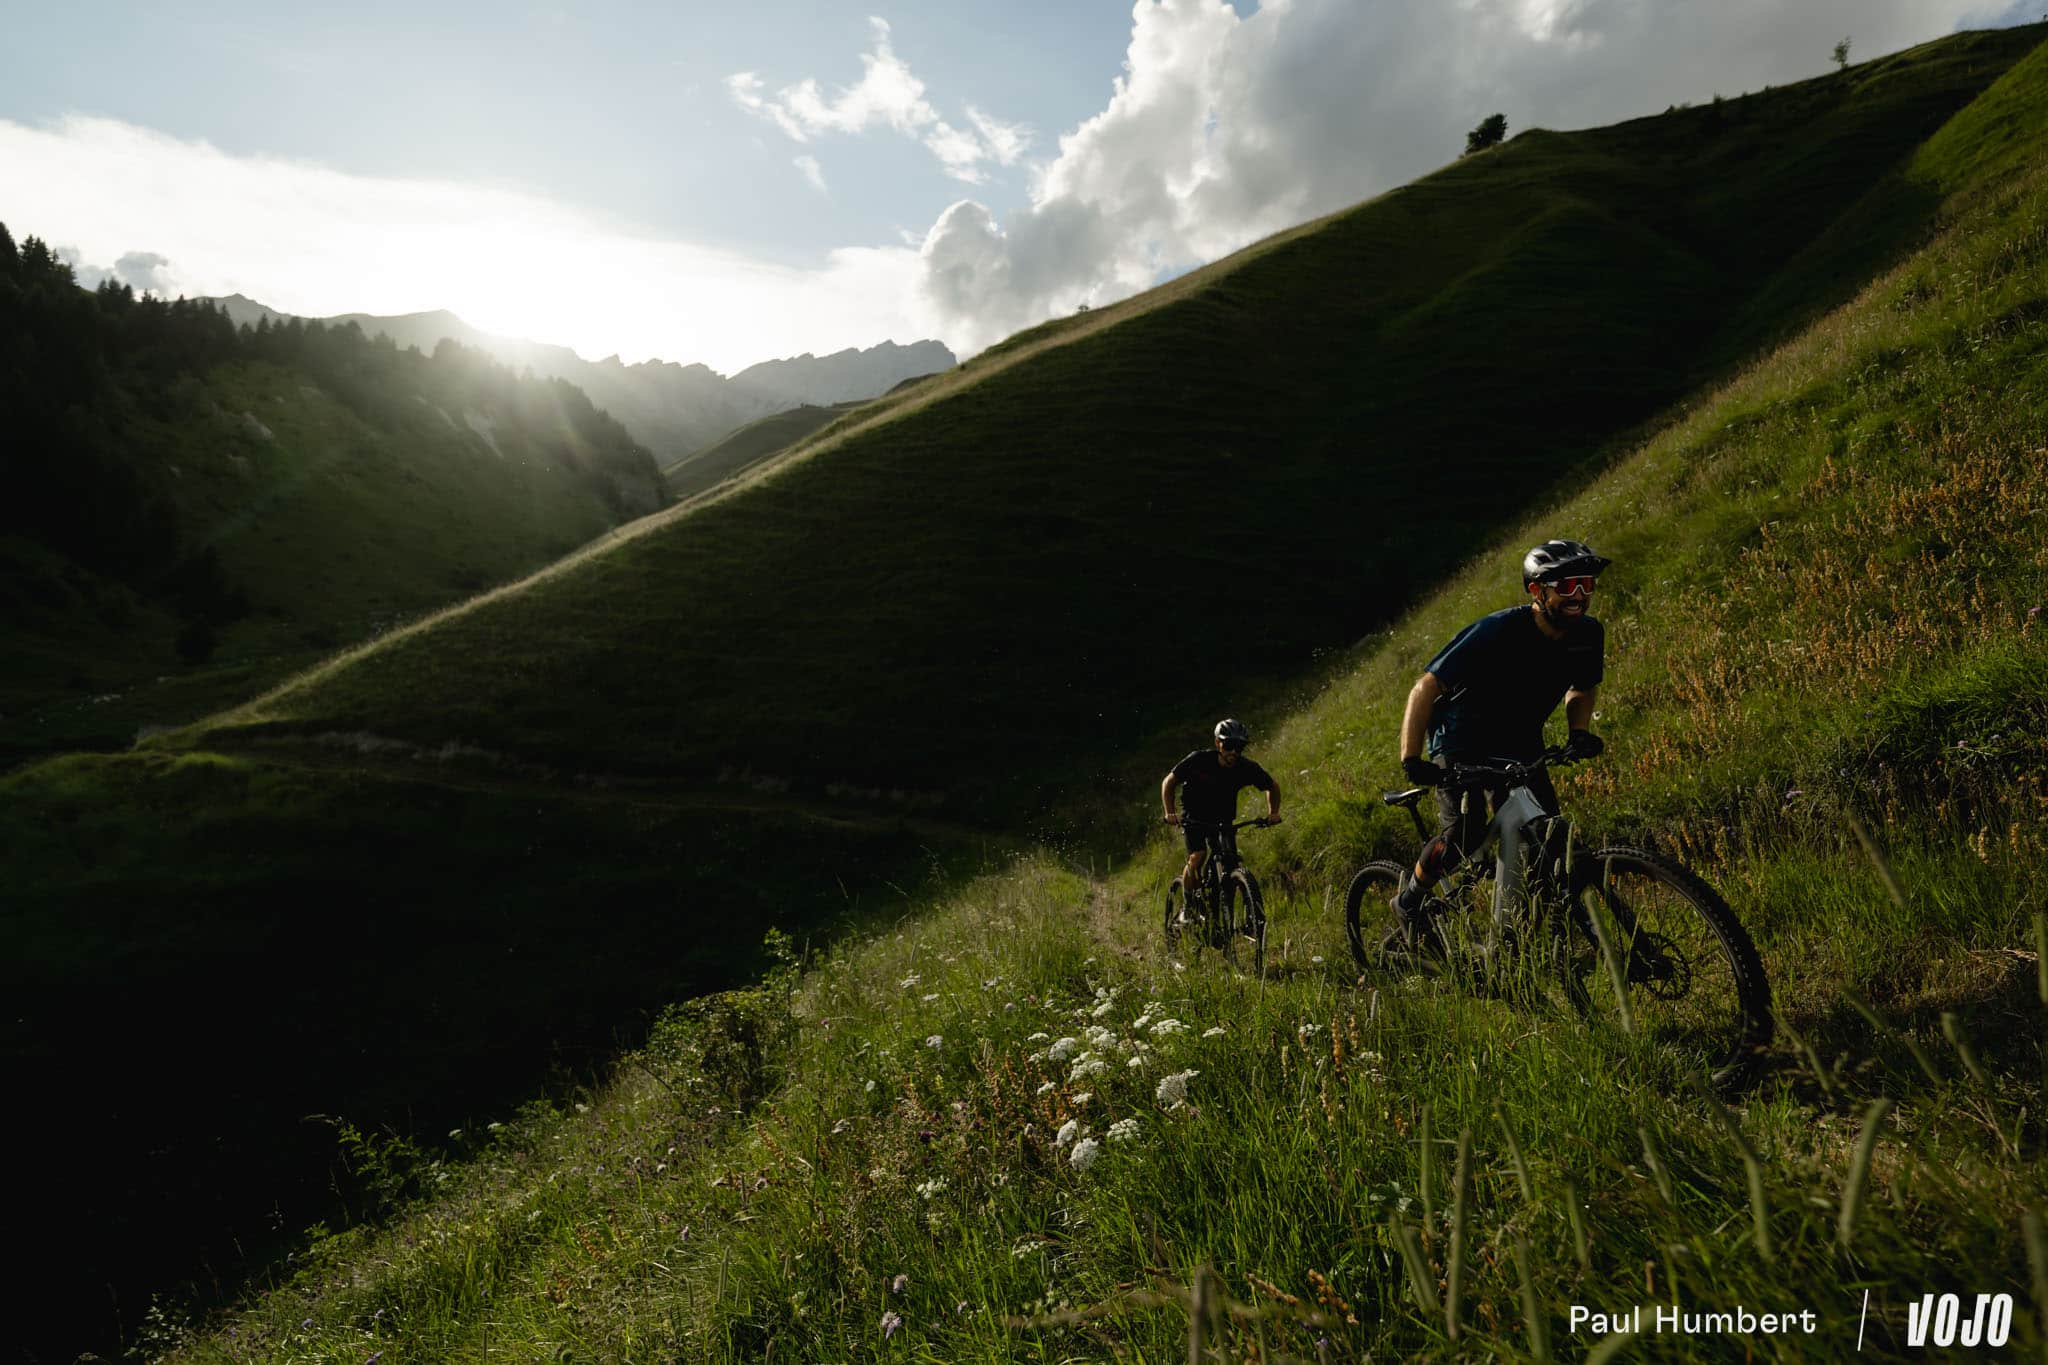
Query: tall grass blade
1428, 1177
1920, 1054
1539, 1325
1500, 1116
1420, 1281
1461, 1208
1596, 915
1859, 1171
1877, 858
1809, 1056
1653, 1161
2037, 1261
1759, 1207
1580, 1243
1952, 1029
2041, 954
1611, 1346
1198, 1316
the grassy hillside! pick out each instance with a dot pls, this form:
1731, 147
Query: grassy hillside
1248, 446
1827, 598
995, 583
195, 514
207, 954
702, 470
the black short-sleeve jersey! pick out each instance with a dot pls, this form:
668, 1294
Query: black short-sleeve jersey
1502, 677
1209, 790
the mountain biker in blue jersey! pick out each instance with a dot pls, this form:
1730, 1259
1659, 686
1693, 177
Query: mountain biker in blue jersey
1213, 778
1485, 697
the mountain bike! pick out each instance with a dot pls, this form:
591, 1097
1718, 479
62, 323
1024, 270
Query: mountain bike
1622, 933
1225, 905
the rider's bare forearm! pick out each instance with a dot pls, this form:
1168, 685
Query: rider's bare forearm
1578, 708
1415, 720
1166, 790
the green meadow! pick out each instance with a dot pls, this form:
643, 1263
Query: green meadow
902, 695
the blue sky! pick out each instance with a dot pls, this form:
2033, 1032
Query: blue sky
730, 183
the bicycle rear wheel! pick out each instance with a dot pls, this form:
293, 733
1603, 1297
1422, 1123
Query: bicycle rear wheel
1657, 949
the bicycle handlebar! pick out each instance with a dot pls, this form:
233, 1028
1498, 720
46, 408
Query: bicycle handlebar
1475, 774
1258, 822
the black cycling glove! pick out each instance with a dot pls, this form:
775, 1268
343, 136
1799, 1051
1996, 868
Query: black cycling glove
1421, 772
1583, 744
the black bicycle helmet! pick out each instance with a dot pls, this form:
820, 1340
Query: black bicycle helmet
1233, 732
1560, 559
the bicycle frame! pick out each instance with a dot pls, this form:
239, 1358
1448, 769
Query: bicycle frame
1503, 838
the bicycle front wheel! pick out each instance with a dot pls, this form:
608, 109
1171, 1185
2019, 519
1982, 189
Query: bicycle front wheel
1658, 950
1368, 909
1176, 914
1247, 915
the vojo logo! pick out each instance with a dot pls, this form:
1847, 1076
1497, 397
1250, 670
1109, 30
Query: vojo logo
1940, 1322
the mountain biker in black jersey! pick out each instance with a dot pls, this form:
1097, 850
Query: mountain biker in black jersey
1485, 697
1213, 778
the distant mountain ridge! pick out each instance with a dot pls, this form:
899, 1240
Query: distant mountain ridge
672, 409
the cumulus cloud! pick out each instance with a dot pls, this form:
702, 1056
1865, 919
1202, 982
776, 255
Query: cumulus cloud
1224, 127
813, 172
143, 271
887, 95
310, 240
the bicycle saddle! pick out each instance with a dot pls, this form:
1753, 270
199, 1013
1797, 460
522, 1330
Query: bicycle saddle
1407, 798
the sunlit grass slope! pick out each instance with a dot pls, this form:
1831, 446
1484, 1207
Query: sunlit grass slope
330, 523
702, 470
1014, 1129
1065, 547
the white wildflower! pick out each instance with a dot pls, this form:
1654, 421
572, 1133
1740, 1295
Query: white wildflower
1173, 1089
1069, 1130
1216, 1032
868, 1089
1063, 1049
936, 1040
936, 1185
1084, 1154
1123, 1130
1082, 1098
1088, 1066
1166, 1028
1039, 1038
841, 1126
911, 982
929, 998
1098, 1036
1049, 1085
1135, 1063
1104, 1008
1029, 1246
1141, 1021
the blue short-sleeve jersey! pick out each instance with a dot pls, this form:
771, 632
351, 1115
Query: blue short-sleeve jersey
1502, 677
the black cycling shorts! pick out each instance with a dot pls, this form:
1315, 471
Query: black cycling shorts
1201, 834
